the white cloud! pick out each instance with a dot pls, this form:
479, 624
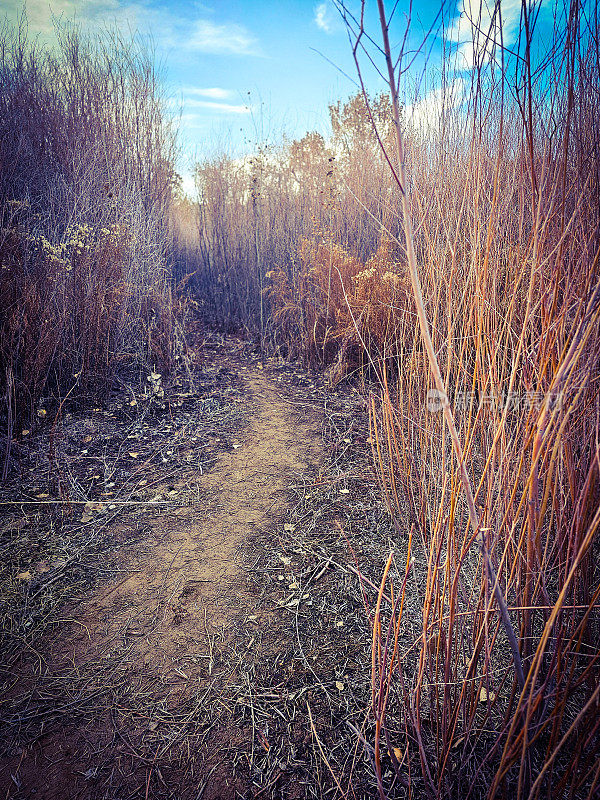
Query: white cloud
168, 29
225, 39
325, 17
220, 108
321, 17
192, 120
425, 113
214, 93
479, 26
42, 13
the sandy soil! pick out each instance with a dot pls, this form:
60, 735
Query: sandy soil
167, 619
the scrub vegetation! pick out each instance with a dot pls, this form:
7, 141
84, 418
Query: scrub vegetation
439, 260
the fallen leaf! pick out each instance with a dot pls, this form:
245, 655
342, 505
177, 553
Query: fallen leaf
42, 495
25, 432
235, 445
348, 441
24, 576
134, 455
293, 603
339, 685
288, 527
41, 412
344, 491
93, 505
87, 438
398, 753
486, 696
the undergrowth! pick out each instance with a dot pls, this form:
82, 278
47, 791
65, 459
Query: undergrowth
86, 184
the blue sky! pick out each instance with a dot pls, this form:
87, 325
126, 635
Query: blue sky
245, 70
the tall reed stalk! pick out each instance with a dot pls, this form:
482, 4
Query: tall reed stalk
508, 253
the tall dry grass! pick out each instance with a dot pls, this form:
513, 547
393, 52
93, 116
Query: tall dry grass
507, 255
86, 184
259, 214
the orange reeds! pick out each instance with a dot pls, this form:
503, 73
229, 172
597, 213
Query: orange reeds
508, 300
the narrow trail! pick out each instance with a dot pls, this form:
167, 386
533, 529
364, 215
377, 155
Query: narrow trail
193, 579
180, 596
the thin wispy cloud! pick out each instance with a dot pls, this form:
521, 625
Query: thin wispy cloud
325, 17
214, 93
193, 120
220, 108
222, 39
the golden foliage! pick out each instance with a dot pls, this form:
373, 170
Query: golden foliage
337, 306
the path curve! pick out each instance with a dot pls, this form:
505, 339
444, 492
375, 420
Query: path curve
179, 595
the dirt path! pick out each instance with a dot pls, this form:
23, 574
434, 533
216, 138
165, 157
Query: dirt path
193, 581
167, 620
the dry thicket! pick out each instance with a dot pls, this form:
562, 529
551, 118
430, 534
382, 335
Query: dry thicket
308, 244
260, 215
87, 176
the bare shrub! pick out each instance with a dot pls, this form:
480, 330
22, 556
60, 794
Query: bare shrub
85, 189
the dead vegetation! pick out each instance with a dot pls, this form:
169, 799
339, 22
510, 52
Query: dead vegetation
422, 620
111, 721
86, 184
485, 431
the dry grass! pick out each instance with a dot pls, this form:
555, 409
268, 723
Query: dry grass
303, 245
339, 307
84, 239
515, 319
503, 191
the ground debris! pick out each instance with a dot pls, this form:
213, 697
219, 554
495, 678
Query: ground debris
185, 652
